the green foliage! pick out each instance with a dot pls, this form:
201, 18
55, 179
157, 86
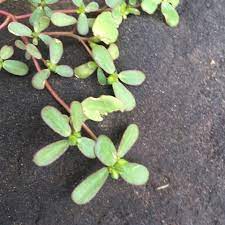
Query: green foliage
101, 46
116, 166
12, 66
39, 26
168, 9
105, 28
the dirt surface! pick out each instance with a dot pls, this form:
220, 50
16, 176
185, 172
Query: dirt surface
180, 112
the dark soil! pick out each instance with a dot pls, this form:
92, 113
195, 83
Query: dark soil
180, 111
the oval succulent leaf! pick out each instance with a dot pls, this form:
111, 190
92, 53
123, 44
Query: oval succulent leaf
82, 24
36, 15
105, 151
130, 136
41, 24
50, 153
103, 58
92, 7
62, 19
64, 71
85, 70
170, 14
78, 3
124, 95
105, 28
114, 51
20, 44
45, 38
174, 3
15, 67
102, 80
87, 147
96, 108
132, 77
135, 174
19, 29
113, 3
33, 51
88, 189
77, 115
56, 50
38, 80
150, 6
56, 121
6, 52
49, 2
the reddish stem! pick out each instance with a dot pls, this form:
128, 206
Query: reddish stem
47, 84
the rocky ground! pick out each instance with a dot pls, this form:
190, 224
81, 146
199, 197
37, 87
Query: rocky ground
180, 112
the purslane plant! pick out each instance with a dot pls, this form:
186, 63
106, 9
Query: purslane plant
99, 35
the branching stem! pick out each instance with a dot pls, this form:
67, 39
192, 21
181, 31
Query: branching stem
54, 94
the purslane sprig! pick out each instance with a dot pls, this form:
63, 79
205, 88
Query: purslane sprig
114, 165
101, 32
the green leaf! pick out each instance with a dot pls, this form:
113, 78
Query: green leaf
114, 51
103, 58
117, 15
85, 70
6, 52
113, 3
50, 153
133, 2
102, 80
170, 14
77, 115
56, 121
105, 151
15, 67
92, 7
48, 11
135, 174
41, 24
19, 44
96, 108
64, 71
87, 147
36, 15
124, 95
45, 38
130, 136
82, 24
78, 3
174, 3
132, 77
62, 19
56, 50
19, 29
88, 189
105, 28
38, 80
49, 2
33, 51
150, 6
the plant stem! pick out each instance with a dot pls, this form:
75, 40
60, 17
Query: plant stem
82, 40
47, 84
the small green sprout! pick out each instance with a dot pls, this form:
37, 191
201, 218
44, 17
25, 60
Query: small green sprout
168, 9
41, 9
115, 166
70, 128
39, 26
56, 52
14, 67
